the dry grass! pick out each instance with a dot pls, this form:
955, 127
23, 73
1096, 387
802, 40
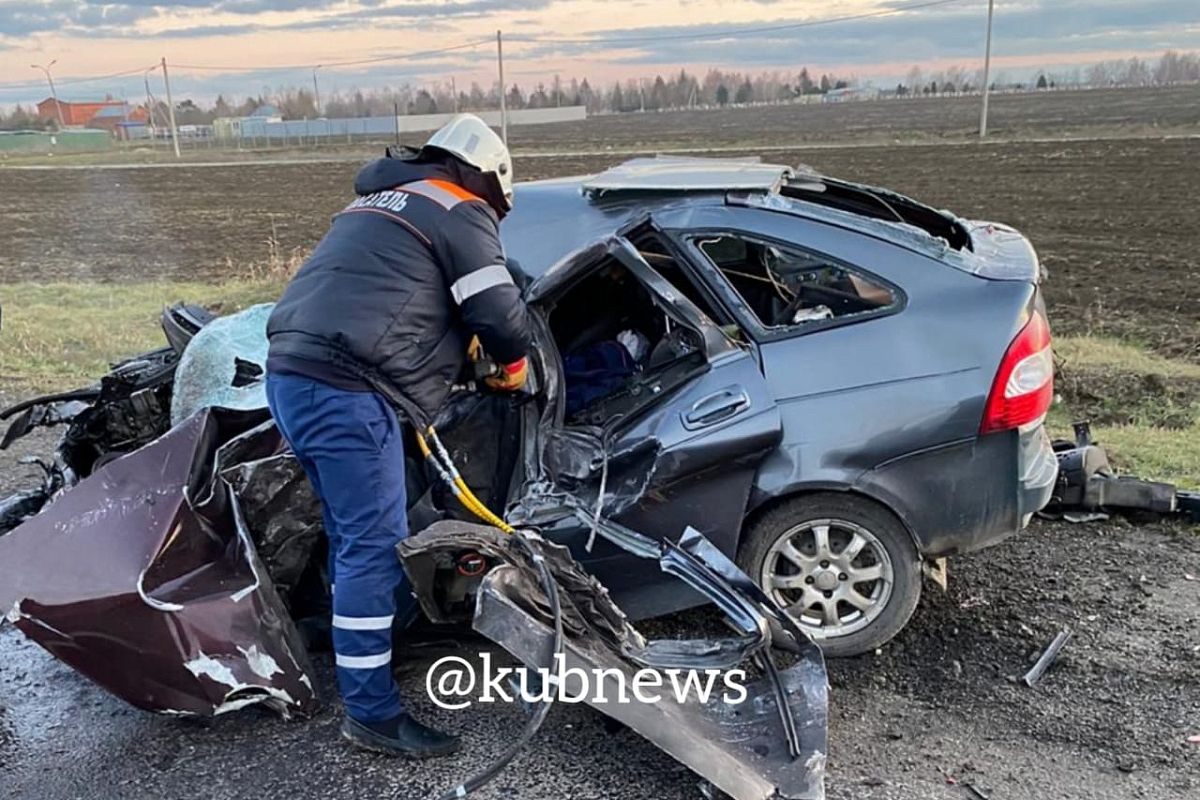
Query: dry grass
1088, 351
280, 264
62, 335
1145, 408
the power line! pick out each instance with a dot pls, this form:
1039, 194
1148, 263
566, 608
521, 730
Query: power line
73, 81
122, 74
733, 33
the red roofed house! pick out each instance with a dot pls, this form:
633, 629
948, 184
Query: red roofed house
86, 113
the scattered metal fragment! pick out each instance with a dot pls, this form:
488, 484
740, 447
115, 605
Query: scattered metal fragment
1047, 658
770, 745
975, 790
1087, 488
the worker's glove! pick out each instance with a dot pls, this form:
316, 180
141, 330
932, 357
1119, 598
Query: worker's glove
500, 377
475, 350
509, 377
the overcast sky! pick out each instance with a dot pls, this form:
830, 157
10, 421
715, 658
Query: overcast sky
600, 40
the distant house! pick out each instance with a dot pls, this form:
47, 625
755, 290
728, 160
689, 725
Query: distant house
128, 131
116, 119
77, 113
196, 131
229, 128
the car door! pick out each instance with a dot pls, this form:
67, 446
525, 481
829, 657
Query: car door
691, 451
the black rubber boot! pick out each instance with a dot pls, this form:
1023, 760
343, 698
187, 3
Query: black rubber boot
402, 736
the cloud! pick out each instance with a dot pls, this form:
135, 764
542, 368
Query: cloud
1031, 28
200, 31
23, 18
203, 87
957, 31
118, 19
262, 6
409, 13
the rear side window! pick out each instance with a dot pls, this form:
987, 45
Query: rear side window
787, 287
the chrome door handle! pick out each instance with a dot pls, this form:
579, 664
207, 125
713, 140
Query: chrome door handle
716, 408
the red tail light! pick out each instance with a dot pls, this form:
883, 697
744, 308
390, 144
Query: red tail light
1024, 384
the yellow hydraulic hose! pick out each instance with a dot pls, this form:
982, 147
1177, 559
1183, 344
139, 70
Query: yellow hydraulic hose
453, 480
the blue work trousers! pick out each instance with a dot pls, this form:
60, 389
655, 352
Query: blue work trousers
350, 446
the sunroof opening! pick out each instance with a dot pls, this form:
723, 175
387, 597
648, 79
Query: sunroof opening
878, 204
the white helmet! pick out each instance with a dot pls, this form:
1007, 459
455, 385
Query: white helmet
469, 139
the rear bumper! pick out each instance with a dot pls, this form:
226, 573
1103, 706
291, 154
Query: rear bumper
969, 494
1038, 465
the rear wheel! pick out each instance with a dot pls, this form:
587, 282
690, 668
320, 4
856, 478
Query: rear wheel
843, 567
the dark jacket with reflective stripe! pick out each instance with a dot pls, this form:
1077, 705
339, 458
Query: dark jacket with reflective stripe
405, 274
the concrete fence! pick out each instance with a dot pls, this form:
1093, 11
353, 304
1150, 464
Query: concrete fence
358, 127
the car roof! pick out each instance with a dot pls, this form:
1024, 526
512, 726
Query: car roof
554, 217
551, 218
689, 174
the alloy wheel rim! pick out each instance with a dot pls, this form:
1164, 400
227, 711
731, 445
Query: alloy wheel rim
832, 576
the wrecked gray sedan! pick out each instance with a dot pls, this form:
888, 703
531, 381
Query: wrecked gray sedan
173, 550
792, 364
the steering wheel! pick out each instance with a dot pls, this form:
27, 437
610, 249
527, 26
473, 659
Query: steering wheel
789, 311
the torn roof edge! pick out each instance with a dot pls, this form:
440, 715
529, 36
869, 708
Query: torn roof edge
689, 174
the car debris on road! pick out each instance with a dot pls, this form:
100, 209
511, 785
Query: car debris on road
771, 744
165, 529
1047, 658
169, 563
1088, 489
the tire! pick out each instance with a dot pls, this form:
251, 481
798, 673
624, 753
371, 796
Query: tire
780, 553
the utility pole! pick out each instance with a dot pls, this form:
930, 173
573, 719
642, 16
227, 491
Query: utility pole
53, 91
316, 90
150, 107
987, 69
557, 92
170, 109
503, 103
454, 92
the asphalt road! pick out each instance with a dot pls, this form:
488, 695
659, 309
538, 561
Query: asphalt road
939, 708
61, 737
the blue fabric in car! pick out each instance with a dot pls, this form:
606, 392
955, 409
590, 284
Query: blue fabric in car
594, 371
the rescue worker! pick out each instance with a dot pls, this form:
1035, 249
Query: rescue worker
384, 308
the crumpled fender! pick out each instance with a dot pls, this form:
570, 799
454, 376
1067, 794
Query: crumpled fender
143, 578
